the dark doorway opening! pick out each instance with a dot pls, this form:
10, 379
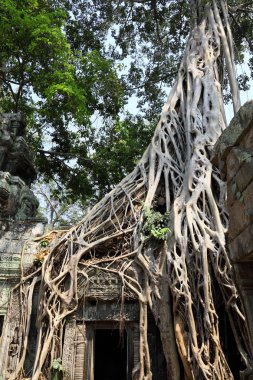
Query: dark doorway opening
110, 355
1, 324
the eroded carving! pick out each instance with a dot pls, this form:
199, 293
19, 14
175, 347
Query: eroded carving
16, 199
68, 349
16, 170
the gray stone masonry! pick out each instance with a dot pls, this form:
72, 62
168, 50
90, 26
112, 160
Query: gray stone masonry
233, 154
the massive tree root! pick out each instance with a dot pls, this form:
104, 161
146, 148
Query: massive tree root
172, 277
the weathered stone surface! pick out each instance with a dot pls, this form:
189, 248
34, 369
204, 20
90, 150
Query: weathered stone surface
243, 273
235, 160
241, 248
247, 140
109, 311
232, 136
9, 126
238, 219
10, 188
69, 349
104, 286
19, 161
231, 194
248, 200
244, 175
15, 155
16, 170
233, 154
17, 239
240, 208
17, 201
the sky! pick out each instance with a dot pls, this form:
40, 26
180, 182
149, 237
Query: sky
244, 95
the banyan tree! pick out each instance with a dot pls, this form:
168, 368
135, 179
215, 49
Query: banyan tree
160, 232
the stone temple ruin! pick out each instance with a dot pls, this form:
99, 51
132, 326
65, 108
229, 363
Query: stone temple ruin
18, 206
102, 338
99, 345
86, 331
119, 297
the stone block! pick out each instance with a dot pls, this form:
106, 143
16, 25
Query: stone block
231, 194
247, 139
243, 272
235, 160
238, 127
238, 219
248, 199
244, 175
241, 248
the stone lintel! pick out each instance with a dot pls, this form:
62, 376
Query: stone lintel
241, 248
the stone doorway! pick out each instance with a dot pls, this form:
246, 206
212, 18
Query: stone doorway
110, 354
100, 350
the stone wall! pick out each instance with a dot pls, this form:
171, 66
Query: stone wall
233, 154
16, 244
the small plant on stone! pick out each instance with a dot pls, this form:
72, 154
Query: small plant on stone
156, 225
57, 369
41, 253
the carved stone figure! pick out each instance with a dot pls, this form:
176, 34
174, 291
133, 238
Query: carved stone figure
15, 156
10, 189
28, 204
19, 161
16, 199
16, 170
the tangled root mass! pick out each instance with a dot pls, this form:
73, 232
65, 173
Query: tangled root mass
172, 277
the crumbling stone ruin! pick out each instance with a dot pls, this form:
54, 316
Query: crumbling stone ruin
18, 208
148, 269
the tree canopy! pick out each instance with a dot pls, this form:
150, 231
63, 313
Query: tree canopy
72, 66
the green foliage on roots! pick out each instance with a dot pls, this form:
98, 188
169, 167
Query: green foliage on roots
156, 225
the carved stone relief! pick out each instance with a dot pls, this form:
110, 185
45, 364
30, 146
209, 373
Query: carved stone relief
104, 286
68, 349
17, 201
109, 311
